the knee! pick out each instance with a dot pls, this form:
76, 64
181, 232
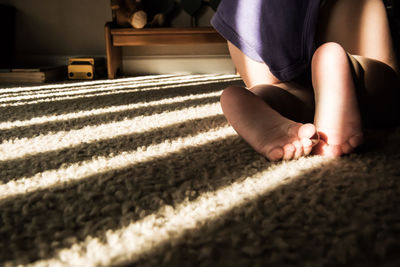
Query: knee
329, 53
230, 94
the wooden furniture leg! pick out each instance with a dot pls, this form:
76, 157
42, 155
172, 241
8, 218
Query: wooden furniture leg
114, 54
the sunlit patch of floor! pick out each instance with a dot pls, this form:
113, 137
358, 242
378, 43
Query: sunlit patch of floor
99, 83
18, 89
17, 148
102, 111
81, 170
84, 92
169, 224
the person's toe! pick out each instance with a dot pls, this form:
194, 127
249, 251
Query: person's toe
307, 130
346, 148
356, 140
333, 151
289, 151
299, 149
322, 148
275, 154
307, 146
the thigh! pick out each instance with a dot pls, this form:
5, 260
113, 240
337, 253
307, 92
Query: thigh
251, 71
256, 75
378, 91
360, 26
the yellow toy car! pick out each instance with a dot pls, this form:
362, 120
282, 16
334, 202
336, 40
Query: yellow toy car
85, 68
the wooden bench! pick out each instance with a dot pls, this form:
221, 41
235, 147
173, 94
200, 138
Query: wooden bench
116, 38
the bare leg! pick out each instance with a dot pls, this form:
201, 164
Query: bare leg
361, 27
257, 114
337, 115
378, 92
342, 102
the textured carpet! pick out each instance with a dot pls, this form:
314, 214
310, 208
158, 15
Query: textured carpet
146, 171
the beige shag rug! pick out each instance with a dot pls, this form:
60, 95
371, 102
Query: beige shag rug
145, 171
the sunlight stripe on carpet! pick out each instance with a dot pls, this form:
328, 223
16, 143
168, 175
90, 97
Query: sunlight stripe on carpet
107, 83
18, 148
115, 86
81, 170
168, 225
137, 79
101, 111
32, 94
83, 83
113, 91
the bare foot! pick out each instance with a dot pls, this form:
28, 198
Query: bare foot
288, 140
268, 132
334, 143
337, 116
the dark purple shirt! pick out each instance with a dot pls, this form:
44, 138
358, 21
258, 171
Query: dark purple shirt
277, 32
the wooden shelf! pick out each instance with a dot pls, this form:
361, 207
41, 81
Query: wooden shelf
119, 37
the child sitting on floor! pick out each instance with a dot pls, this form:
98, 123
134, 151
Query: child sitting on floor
316, 73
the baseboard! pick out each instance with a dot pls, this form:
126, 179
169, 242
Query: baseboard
177, 64
152, 64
